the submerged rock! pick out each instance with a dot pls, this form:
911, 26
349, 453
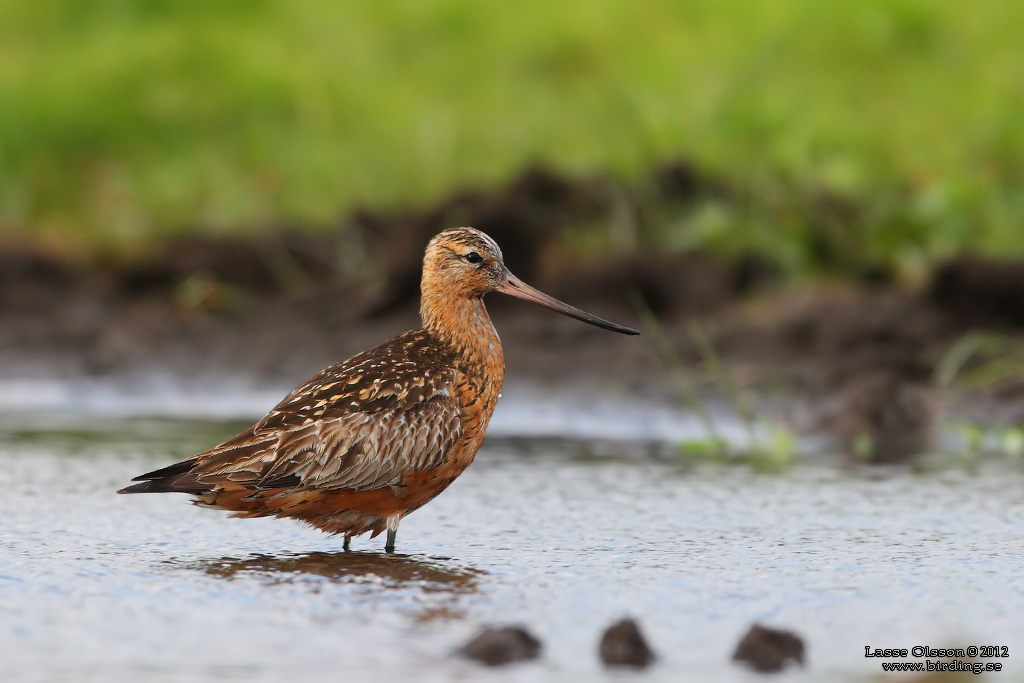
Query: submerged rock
623, 645
500, 646
769, 650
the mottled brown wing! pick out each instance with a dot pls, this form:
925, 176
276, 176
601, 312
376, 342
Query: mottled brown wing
411, 368
358, 425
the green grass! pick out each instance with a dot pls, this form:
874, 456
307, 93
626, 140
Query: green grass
123, 121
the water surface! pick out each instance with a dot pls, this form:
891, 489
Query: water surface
558, 536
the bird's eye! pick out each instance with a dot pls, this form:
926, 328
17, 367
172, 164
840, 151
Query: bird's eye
474, 257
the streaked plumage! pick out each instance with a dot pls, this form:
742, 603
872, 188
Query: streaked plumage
370, 439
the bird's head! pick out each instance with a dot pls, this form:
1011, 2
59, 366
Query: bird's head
465, 262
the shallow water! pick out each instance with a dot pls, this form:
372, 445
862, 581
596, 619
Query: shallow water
527, 410
558, 536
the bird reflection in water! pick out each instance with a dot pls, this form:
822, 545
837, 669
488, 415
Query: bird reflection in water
431, 586
396, 571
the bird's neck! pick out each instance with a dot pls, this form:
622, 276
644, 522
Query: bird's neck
462, 322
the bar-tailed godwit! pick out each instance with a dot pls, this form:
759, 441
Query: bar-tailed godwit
368, 440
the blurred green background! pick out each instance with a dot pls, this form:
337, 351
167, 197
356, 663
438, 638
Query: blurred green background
123, 122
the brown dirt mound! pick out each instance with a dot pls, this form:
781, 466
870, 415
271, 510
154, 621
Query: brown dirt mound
979, 292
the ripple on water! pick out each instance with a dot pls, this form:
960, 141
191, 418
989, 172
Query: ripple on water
95, 586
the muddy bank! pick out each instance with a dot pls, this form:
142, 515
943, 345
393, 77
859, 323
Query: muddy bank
278, 306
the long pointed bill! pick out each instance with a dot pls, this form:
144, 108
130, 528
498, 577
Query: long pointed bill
515, 287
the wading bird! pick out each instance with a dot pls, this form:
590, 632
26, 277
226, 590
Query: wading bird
368, 440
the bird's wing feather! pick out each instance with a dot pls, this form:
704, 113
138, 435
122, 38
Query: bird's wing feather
358, 425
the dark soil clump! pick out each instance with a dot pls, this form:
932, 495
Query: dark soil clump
690, 283
30, 279
623, 645
501, 646
267, 265
980, 292
769, 650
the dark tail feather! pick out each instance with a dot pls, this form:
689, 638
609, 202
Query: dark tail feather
173, 478
145, 487
169, 471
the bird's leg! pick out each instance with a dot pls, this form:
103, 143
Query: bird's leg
348, 541
392, 525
